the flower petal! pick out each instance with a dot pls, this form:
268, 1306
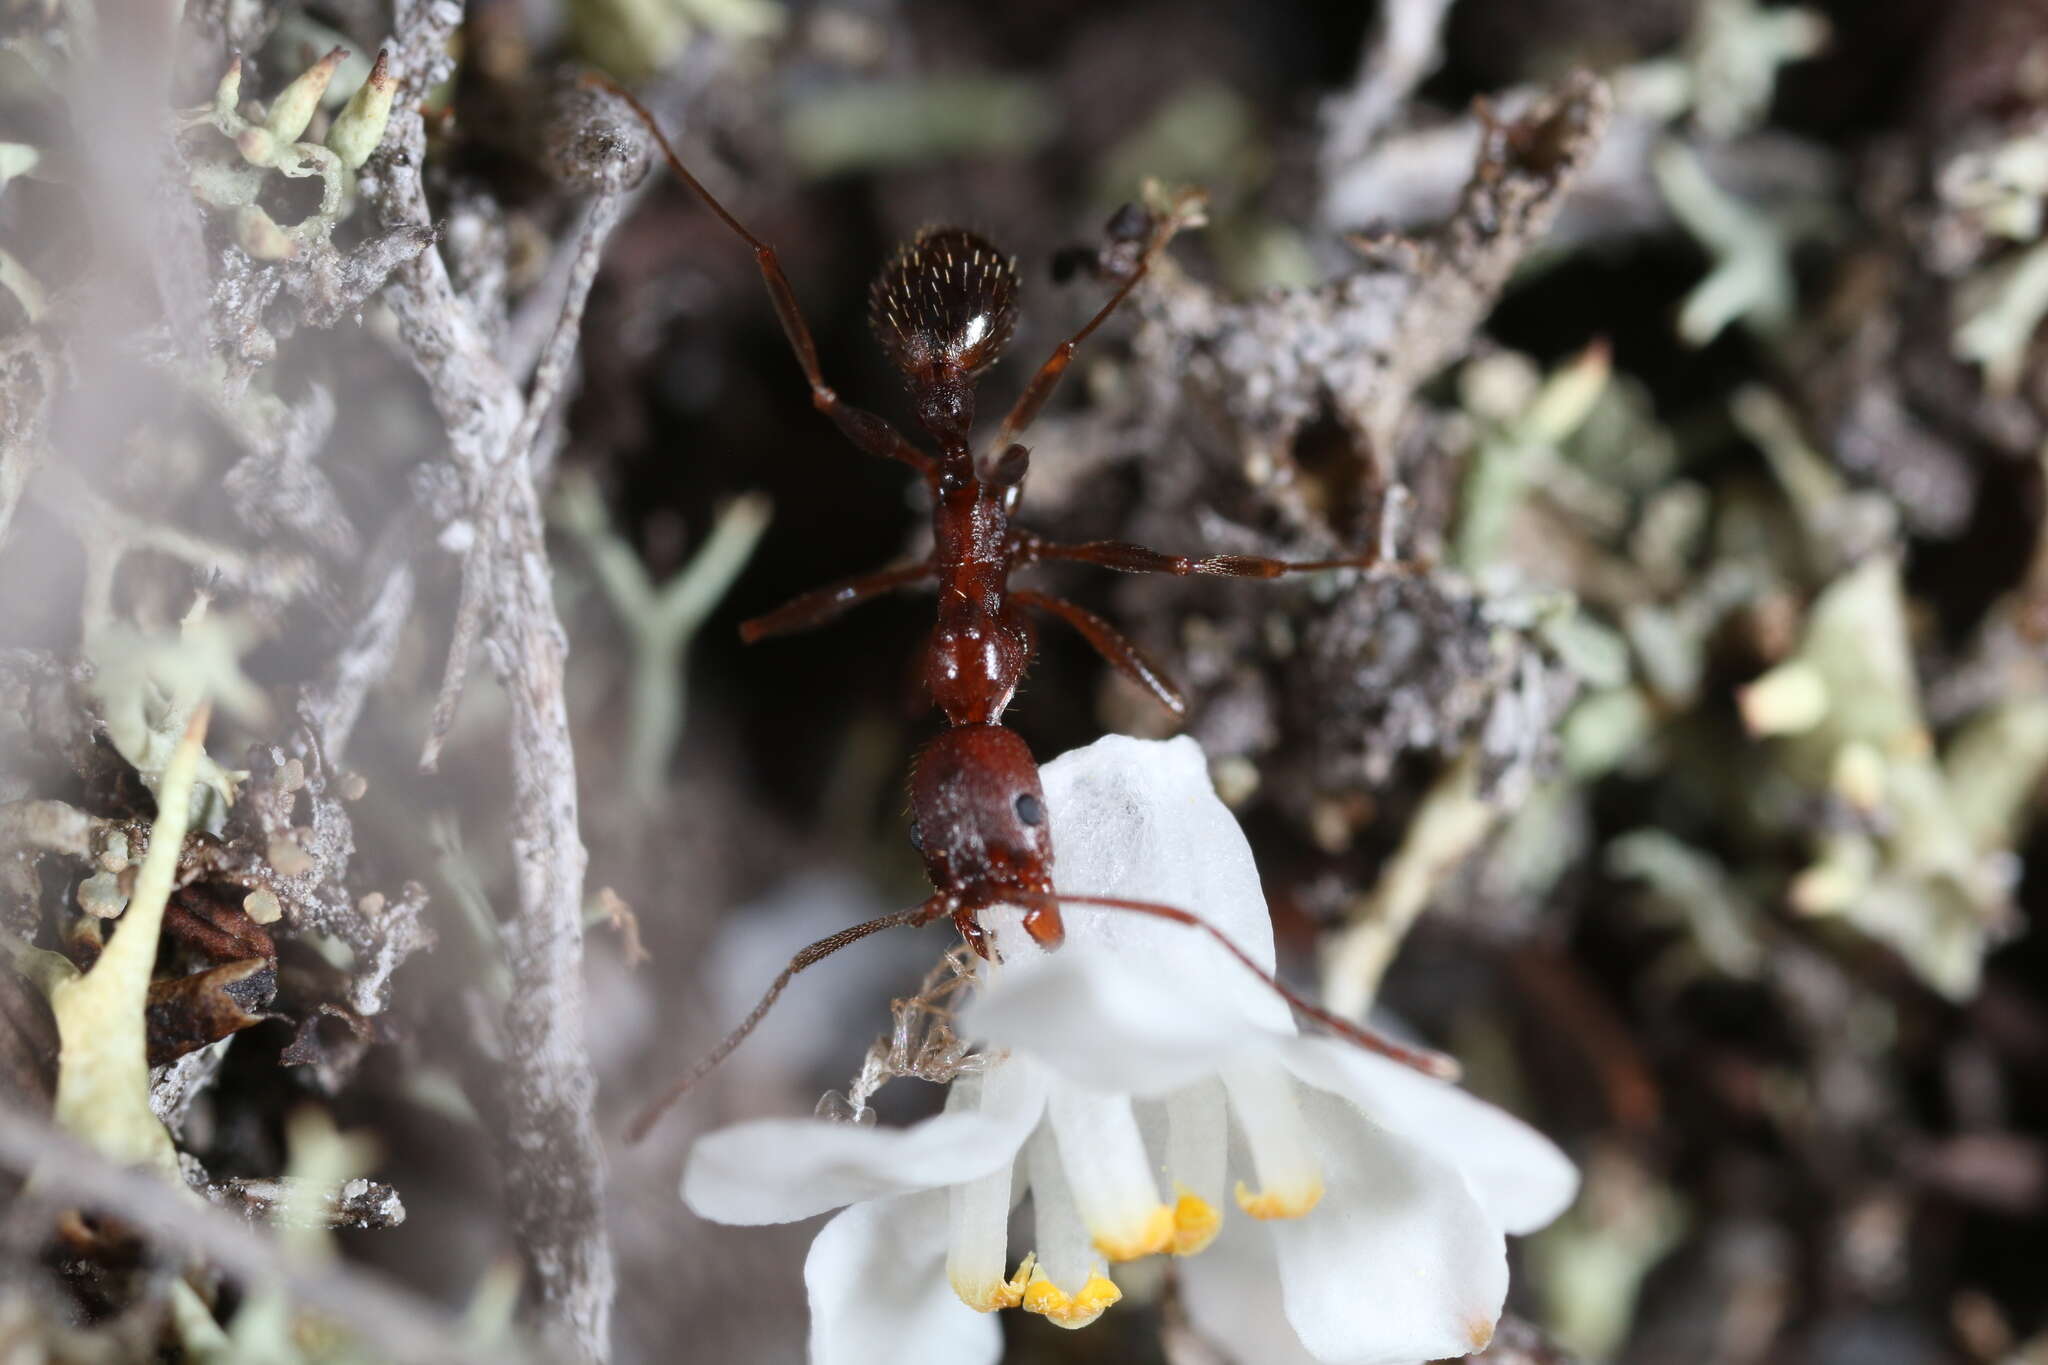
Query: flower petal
1232, 1295
780, 1170
1107, 1169
978, 1211
878, 1296
1064, 1280
1197, 1153
1518, 1175
1399, 1263
1107, 1026
978, 1241
1283, 1149
1140, 819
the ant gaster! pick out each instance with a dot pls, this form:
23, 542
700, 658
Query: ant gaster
943, 310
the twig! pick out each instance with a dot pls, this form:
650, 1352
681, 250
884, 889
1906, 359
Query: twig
548, 377
53, 826
26, 373
1404, 47
365, 657
554, 1162
401, 1327
108, 533
1450, 824
555, 357
462, 638
350, 1203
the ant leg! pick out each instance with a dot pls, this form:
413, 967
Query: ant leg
1186, 213
1428, 1062
871, 433
1125, 657
1127, 558
823, 948
821, 605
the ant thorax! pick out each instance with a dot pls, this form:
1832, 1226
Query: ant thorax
980, 644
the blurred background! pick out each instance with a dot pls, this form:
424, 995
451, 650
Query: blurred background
1688, 794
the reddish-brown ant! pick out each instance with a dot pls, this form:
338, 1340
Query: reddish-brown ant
943, 311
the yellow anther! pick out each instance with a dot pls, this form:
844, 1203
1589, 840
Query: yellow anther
1152, 1236
1061, 1309
1270, 1204
1195, 1222
989, 1296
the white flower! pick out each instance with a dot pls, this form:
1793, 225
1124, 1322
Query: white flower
1152, 1096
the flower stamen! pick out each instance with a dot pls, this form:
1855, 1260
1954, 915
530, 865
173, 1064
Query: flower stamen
1283, 1156
1195, 1222
1102, 1156
1062, 1309
1268, 1205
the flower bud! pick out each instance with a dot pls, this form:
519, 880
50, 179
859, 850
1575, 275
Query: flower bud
360, 126
294, 106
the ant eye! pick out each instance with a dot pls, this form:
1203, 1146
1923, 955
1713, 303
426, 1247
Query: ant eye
916, 837
1030, 809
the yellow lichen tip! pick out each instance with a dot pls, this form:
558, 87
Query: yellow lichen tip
1271, 1204
1152, 1235
987, 1297
1061, 1309
1195, 1222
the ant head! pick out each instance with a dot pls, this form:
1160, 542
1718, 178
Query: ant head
945, 307
977, 815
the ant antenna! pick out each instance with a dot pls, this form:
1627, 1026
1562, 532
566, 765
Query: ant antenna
1424, 1060
675, 163
817, 952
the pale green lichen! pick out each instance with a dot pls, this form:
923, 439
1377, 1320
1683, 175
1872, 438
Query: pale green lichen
1451, 821
1928, 873
360, 125
1592, 1262
148, 685
296, 104
1734, 54
102, 1024
1997, 314
1694, 889
1522, 420
272, 140
1841, 524
2002, 187
320, 1162
1752, 276
633, 39
897, 123
661, 621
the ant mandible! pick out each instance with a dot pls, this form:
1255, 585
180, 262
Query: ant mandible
943, 310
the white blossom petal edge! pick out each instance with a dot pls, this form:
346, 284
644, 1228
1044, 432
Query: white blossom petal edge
1137, 1077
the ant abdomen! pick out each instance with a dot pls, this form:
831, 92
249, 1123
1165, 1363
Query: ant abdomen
947, 302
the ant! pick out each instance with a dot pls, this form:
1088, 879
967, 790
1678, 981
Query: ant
943, 310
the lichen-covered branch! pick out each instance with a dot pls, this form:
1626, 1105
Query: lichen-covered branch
401, 1328
554, 1162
